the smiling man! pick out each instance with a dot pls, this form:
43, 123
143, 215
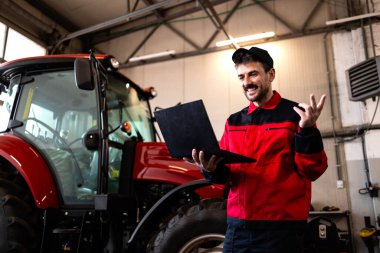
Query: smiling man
269, 200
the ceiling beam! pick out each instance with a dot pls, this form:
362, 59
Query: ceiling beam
312, 14
214, 17
20, 19
265, 8
187, 39
159, 14
217, 49
53, 15
146, 38
229, 15
184, 10
114, 22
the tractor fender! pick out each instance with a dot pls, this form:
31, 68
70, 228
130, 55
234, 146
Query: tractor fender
193, 185
33, 168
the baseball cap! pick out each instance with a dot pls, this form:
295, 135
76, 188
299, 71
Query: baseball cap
258, 53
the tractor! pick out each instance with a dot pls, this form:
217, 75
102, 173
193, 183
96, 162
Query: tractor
82, 168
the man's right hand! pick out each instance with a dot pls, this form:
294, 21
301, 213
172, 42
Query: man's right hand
209, 165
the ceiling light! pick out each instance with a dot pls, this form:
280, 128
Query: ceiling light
349, 19
245, 38
151, 56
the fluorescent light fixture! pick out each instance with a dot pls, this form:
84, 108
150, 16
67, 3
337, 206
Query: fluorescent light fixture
349, 19
151, 56
257, 36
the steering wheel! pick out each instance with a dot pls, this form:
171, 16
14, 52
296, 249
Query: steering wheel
62, 144
57, 137
74, 141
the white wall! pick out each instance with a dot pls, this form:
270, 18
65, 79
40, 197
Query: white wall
348, 51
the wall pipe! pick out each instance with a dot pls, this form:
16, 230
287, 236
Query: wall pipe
338, 164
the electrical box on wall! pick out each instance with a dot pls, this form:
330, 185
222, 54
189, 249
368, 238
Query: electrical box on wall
363, 79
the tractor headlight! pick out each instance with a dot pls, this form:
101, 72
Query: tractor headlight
114, 63
150, 92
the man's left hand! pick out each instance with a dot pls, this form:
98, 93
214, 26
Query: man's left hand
311, 114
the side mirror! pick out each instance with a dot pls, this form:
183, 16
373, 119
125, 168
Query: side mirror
91, 140
84, 74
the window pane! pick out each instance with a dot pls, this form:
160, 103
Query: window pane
56, 115
6, 103
2, 36
19, 46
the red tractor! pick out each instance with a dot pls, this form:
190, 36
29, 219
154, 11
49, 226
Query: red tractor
81, 170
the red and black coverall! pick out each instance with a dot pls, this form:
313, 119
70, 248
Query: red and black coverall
275, 191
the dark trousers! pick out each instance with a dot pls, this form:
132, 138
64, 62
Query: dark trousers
243, 238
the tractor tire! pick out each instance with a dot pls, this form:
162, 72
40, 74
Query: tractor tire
197, 228
18, 215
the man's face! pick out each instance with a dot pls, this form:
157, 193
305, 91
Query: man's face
256, 83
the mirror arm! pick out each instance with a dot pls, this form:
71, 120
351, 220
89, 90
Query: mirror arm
115, 144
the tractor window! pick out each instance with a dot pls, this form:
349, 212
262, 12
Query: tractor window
124, 103
7, 98
36, 129
55, 116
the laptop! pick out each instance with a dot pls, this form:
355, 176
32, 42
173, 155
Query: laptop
188, 126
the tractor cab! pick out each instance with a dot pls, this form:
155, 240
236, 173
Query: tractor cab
66, 122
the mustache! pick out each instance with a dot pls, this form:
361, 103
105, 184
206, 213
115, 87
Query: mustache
249, 86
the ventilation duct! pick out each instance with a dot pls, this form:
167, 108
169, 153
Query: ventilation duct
363, 79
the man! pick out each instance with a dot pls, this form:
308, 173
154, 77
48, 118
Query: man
269, 200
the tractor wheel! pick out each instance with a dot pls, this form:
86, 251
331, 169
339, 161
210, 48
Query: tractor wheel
198, 228
18, 215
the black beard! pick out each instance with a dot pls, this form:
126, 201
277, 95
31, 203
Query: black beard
249, 86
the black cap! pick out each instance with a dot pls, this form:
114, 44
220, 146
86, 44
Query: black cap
255, 53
